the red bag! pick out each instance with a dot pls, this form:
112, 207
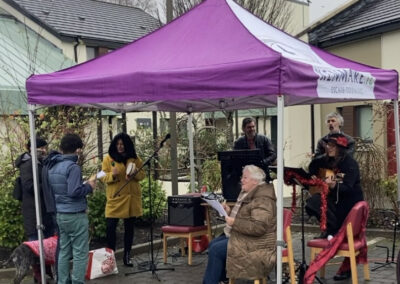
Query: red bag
101, 263
200, 244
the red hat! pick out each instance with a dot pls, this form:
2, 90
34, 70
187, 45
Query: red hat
338, 139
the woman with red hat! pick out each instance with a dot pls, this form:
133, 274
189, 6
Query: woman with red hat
344, 186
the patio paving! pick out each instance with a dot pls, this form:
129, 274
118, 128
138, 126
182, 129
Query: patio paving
183, 273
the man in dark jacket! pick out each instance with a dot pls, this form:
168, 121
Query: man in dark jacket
335, 122
65, 180
252, 140
24, 163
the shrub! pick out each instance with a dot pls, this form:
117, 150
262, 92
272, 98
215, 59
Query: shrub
97, 205
158, 196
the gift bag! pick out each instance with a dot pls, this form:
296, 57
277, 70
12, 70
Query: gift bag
101, 263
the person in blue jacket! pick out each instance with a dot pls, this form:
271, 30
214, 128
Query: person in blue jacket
65, 180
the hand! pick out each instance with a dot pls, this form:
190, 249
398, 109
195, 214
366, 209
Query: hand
331, 182
114, 172
226, 208
229, 220
92, 183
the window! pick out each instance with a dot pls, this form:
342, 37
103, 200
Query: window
143, 122
364, 122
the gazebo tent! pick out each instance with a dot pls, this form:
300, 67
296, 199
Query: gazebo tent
217, 56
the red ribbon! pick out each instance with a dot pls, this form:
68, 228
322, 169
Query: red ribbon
290, 175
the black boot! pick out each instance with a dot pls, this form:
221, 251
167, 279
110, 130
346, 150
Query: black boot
127, 259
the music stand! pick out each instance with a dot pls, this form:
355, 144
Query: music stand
152, 266
389, 262
293, 181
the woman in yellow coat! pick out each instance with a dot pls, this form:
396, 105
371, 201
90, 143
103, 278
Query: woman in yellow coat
127, 203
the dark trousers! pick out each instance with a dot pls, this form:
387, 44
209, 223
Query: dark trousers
112, 233
216, 266
313, 208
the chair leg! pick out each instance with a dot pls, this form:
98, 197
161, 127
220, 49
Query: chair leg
366, 272
165, 248
353, 265
183, 247
190, 250
291, 271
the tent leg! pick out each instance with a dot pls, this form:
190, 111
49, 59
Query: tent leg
279, 203
397, 139
31, 111
191, 152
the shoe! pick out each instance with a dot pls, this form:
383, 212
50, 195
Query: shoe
342, 276
323, 235
127, 259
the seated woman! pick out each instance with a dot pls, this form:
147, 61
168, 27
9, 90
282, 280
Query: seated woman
247, 247
343, 195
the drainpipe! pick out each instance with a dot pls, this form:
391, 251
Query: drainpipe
77, 42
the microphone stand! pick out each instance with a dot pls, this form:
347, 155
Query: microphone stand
152, 266
303, 265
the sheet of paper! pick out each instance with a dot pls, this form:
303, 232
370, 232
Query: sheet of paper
217, 206
100, 174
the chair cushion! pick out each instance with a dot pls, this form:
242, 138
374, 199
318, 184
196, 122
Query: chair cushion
323, 243
318, 243
285, 252
182, 229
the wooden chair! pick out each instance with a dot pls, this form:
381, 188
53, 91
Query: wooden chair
287, 253
353, 242
185, 233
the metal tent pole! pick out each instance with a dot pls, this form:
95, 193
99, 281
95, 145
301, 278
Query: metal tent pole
191, 152
279, 204
31, 112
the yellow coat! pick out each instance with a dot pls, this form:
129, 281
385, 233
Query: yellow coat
128, 203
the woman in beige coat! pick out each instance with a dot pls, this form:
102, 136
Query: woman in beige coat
247, 247
127, 204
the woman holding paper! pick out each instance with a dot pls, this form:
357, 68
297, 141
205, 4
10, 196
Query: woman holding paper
247, 247
121, 166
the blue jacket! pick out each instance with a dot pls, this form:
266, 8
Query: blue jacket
65, 180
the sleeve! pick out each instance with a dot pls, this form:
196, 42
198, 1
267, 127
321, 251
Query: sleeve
262, 218
236, 144
27, 177
106, 167
351, 175
315, 165
74, 181
269, 152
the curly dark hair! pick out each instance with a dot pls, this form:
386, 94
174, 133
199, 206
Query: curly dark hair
130, 151
70, 143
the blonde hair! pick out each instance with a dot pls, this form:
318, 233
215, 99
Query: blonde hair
256, 173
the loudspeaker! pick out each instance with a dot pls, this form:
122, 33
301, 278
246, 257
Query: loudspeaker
185, 210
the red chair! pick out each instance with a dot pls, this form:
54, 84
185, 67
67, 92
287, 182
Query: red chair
185, 233
349, 241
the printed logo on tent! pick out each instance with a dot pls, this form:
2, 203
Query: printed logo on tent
344, 83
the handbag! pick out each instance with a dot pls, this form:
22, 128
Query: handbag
101, 263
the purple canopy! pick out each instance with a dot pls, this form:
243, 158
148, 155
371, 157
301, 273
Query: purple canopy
217, 56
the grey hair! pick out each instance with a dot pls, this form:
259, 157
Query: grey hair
337, 116
256, 173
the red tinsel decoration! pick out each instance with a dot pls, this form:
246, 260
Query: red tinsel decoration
290, 175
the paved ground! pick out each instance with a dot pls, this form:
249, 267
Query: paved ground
193, 274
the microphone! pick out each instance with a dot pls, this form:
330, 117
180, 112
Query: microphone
165, 139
